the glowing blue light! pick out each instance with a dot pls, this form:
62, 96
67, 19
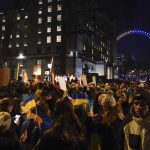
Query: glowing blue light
135, 31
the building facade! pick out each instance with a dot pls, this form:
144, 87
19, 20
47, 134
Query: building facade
74, 33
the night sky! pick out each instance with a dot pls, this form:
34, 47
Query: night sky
128, 14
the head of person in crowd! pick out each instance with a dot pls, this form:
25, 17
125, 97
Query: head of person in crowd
42, 108
66, 131
8, 138
46, 95
6, 105
5, 121
141, 106
109, 113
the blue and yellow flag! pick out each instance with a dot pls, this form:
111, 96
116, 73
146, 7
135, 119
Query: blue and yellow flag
28, 103
78, 98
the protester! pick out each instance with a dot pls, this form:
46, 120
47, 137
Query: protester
136, 131
66, 132
8, 138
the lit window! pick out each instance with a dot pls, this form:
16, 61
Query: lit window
17, 35
59, 7
40, 2
39, 61
26, 16
59, 28
40, 11
58, 17
3, 19
25, 35
49, 9
10, 45
3, 28
49, 19
48, 29
39, 31
18, 16
39, 41
48, 39
11, 36
49, 1
40, 20
17, 44
58, 38
2, 37
84, 47
25, 44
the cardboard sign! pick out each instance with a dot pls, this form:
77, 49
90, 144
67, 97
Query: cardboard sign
37, 69
84, 80
24, 75
4, 76
94, 79
62, 83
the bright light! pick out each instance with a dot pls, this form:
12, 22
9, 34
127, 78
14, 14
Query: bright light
21, 56
49, 66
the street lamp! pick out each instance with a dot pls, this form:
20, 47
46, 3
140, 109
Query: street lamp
20, 57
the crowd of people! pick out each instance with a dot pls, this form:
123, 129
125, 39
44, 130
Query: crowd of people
108, 116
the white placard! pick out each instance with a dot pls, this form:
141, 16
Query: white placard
62, 83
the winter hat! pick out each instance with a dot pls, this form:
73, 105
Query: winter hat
142, 98
5, 120
141, 85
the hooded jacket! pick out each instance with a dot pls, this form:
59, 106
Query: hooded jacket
137, 134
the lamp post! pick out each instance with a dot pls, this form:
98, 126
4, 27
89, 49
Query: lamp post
20, 57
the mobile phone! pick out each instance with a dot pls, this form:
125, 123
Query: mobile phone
16, 118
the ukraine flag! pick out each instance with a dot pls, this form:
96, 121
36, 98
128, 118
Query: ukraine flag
28, 103
78, 98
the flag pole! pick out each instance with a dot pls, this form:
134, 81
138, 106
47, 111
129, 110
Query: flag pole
17, 73
50, 71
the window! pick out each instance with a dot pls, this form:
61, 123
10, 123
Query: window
59, 7
48, 29
49, 1
39, 61
40, 11
10, 45
48, 39
26, 16
58, 17
39, 41
17, 44
39, 30
25, 35
49, 9
18, 16
3, 28
59, 28
25, 43
17, 35
49, 19
58, 38
3, 19
39, 20
11, 36
40, 2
